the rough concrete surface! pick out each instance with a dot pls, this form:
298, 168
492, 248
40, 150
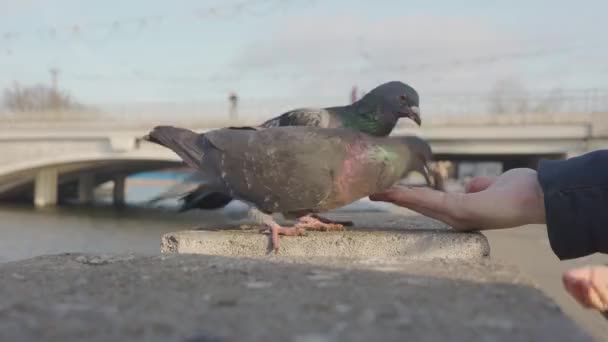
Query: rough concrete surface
378, 235
212, 298
349, 244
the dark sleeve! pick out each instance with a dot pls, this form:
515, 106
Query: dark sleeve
576, 204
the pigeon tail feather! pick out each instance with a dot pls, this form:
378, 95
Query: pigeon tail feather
204, 199
175, 191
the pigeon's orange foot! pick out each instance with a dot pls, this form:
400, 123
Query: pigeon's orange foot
276, 230
312, 222
325, 220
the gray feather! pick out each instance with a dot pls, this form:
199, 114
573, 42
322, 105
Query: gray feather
314, 117
187, 185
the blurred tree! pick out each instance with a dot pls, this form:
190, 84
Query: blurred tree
508, 97
38, 98
552, 103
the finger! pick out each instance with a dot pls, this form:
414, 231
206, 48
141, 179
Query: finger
593, 298
584, 293
404, 195
479, 184
389, 195
435, 215
578, 290
600, 289
578, 285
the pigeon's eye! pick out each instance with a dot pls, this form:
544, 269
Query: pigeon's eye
403, 98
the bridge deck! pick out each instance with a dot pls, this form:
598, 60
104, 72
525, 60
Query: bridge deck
28, 148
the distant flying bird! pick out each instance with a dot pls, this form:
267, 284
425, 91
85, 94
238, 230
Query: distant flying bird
296, 171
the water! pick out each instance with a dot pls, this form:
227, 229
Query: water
28, 232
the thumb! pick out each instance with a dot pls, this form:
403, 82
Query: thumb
418, 196
480, 183
448, 207
392, 195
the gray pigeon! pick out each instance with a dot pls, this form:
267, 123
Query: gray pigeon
197, 195
376, 114
296, 171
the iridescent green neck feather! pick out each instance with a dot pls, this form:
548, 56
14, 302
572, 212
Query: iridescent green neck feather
372, 122
394, 158
383, 154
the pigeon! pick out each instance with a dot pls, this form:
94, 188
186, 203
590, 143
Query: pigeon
376, 113
200, 198
297, 171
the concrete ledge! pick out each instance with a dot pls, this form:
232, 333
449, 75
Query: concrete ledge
188, 298
359, 243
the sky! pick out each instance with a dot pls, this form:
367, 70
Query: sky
295, 52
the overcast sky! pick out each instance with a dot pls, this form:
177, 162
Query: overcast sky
299, 49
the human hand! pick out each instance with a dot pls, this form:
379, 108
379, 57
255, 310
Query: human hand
588, 285
513, 199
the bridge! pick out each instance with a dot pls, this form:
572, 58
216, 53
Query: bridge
49, 162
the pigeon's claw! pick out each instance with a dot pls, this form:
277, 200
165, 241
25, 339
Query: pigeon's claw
316, 223
276, 230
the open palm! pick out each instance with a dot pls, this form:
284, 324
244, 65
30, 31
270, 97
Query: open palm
513, 199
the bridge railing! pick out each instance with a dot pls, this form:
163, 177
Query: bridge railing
75, 121
569, 106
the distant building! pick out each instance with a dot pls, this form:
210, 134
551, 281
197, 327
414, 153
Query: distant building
474, 169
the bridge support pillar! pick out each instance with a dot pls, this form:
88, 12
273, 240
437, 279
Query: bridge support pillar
86, 186
45, 188
118, 193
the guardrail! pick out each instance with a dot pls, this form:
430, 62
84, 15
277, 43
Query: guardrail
78, 120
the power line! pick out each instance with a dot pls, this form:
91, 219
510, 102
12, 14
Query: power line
451, 64
222, 11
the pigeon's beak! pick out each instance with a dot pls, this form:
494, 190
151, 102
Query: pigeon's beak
413, 113
435, 176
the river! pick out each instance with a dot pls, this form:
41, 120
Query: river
137, 228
